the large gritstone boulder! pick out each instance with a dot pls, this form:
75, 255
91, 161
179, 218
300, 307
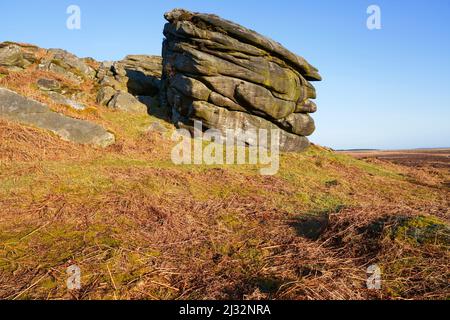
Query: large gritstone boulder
230, 77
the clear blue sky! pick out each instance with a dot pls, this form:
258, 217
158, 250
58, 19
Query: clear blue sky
387, 88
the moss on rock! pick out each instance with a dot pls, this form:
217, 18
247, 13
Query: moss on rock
422, 230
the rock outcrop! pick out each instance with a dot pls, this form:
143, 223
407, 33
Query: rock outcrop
227, 76
137, 74
212, 70
67, 64
63, 100
15, 107
11, 57
16, 56
131, 81
141, 74
134, 82
125, 101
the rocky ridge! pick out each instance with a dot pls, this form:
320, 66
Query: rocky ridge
211, 70
130, 85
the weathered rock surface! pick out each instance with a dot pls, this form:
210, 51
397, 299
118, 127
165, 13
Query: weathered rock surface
137, 74
11, 56
157, 127
17, 108
125, 101
17, 56
136, 77
105, 95
222, 119
228, 76
61, 99
141, 73
132, 84
67, 64
48, 85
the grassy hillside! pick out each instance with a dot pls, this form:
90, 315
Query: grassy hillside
139, 226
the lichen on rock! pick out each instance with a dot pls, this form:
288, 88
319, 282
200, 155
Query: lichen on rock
20, 109
227, 76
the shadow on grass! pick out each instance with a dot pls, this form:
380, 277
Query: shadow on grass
268, 285
311, 225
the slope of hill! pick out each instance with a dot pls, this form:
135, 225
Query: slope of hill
141, 227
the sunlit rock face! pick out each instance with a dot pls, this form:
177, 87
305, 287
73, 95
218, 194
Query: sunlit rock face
230, 77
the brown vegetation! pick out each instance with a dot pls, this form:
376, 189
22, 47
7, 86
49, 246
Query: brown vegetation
140, 227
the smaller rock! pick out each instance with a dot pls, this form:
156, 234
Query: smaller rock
105, 95
69, 61
11, 56
52, 67
60, 99
68, 65
118, 69
126, 102
77, 96
26, 56
104, 69
48, 85
109, 81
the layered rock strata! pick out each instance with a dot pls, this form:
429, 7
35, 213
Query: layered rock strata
230, 77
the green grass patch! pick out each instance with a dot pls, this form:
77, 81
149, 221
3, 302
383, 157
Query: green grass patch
128, 125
